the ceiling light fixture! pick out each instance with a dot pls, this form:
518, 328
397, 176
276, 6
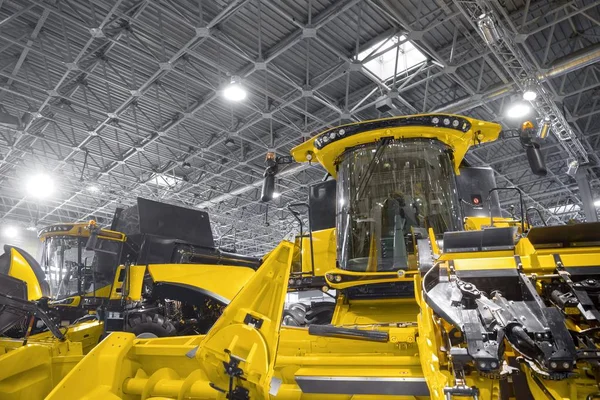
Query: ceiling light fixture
235, 91
518, 110
40, 186
93, 189
488, 29
543, 128
597, 203
276, 195
186, 165
10, 232
530, 92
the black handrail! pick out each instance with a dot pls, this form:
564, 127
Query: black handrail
539, 214
522, 202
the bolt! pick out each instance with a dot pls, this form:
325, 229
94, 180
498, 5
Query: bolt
566, 365
553, 364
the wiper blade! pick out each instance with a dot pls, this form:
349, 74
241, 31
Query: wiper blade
381, 145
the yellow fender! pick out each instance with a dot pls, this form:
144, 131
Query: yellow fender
20, 268
249, 328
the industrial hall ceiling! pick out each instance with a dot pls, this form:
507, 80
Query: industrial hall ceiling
119, 99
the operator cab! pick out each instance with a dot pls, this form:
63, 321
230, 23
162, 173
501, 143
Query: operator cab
388, 193
396, 185
75, 269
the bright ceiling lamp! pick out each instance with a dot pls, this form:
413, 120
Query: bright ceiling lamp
518, 110
93, 189
276, 195
597, 203
235, 91
10, 232
530, 92
40, 186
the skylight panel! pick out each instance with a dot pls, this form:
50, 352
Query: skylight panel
164, 181
381, 57
566, 209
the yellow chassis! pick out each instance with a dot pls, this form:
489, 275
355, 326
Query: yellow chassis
30, 371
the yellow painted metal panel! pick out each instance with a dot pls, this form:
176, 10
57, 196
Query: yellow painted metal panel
481, 131
20, 269
222, 280
31, 371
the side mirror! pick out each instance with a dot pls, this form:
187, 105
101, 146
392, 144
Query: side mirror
536, 159
92, 241
268, 187
530, 140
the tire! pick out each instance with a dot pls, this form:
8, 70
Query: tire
320, 313
149, 323
295, 315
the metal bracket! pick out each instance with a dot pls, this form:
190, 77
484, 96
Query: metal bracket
461, 391
253, 321
285, 159
234, 371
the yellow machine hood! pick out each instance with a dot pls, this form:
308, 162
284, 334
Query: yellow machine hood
221, 282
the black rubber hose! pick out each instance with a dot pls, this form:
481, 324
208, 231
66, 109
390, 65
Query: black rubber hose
348, 333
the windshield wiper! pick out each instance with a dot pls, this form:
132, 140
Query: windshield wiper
381, 145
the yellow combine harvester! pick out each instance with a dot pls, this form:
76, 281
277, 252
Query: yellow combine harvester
53, 313
156, 271
424, 308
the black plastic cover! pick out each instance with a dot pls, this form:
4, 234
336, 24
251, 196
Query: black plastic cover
485, 240
580, 235
5, 260
15, 288
268, 187
165, 220
475, 183
321, 199
537, 163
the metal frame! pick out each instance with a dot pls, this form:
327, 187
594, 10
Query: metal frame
120, 94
